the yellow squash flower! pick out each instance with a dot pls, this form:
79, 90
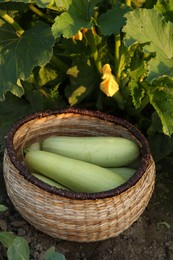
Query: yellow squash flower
78, 36
109, 85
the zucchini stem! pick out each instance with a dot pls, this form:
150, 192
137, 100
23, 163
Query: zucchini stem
91, 40
34, 9
12, 22
117, 57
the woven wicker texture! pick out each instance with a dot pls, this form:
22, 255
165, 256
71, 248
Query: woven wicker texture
69, 215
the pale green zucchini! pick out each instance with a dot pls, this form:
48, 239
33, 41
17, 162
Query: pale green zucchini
74, 174
126, 172
49, 181
102, 151
32, 147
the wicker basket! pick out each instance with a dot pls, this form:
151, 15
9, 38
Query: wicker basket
82, 217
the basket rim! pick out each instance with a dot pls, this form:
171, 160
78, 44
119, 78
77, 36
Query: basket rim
145, 153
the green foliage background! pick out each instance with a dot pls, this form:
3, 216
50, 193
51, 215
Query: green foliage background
43, 66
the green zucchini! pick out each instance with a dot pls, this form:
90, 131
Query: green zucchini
33, 146
49, 181
74, 174
102, 151
126, 172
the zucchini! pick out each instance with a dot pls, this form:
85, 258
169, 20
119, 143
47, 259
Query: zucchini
126, 172
48, 181
33, 146
102, 151
74, 174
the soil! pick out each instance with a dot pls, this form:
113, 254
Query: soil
150, 237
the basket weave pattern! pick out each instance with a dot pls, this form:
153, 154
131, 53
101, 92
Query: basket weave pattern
68, 215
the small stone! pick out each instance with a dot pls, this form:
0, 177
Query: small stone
3, 225
18, 223
21, 232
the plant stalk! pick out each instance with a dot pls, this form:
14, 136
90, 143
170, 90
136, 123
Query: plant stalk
12, 22
118, 97
117, 57
34, 9
90, 37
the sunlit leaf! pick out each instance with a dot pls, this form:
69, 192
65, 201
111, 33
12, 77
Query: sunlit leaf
78, 16
147, 25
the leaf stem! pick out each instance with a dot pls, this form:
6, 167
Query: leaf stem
12, 22
118, 97
34, 9
91, 39
117, 56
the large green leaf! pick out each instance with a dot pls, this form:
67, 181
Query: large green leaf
148, 25
78, 16
18, 250
160, 94
113, 20
19, 55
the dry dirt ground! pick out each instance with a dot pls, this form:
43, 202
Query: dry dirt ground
150, 237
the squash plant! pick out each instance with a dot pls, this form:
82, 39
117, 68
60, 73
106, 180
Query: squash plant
18, 247
114, 56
